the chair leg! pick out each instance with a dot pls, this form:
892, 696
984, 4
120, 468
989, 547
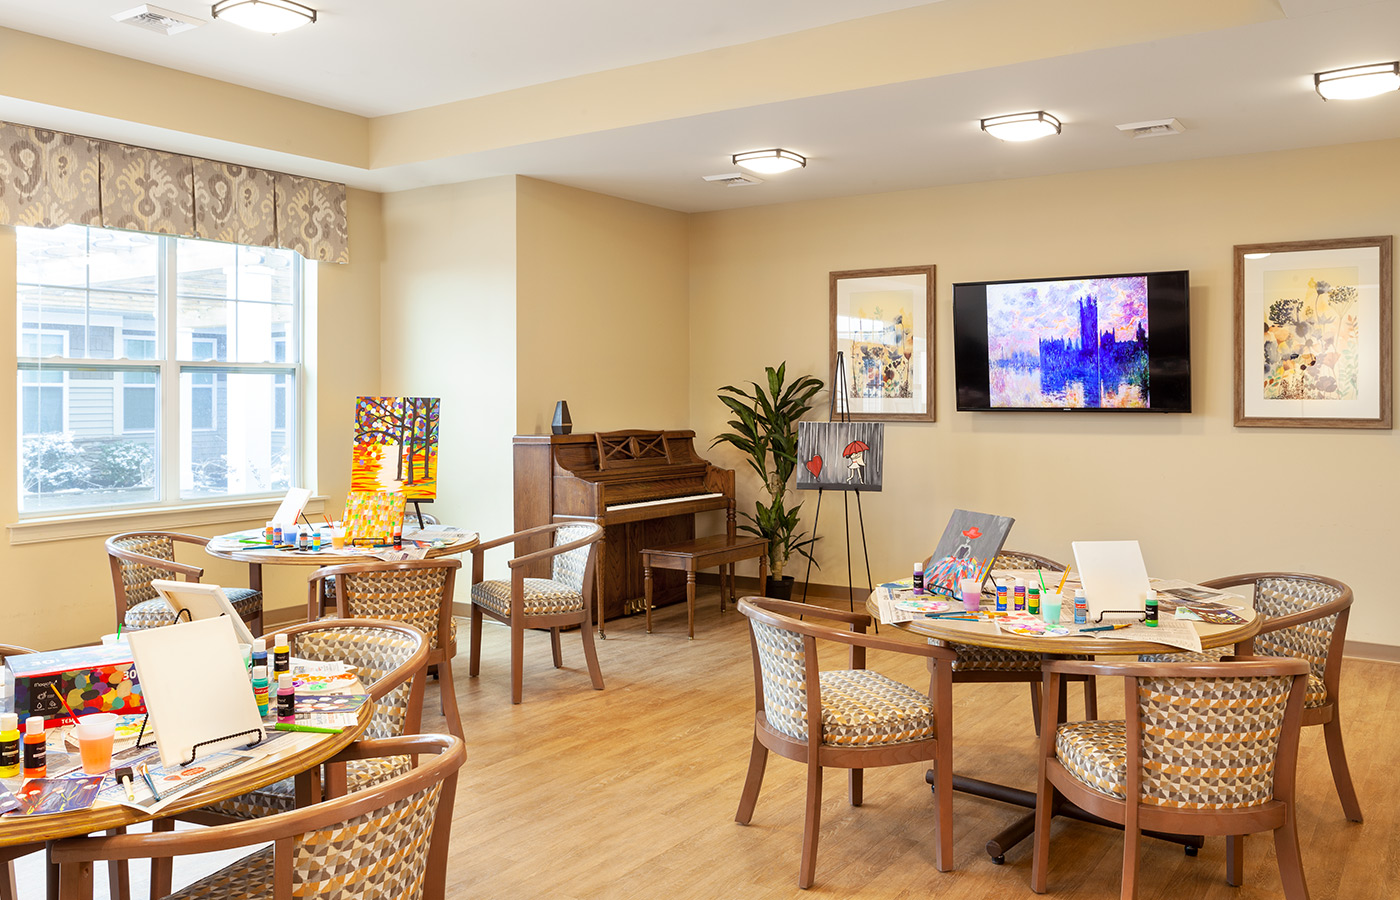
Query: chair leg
447, 693
758, 759
517, 659
1044, 818
118, 874
1234, 859
1035, 706
162, 869
1091, 699
811, 825
857, 780
1290, 859
474, 644
554, 646
8, 889
590, 655
1132, 843
1341, 773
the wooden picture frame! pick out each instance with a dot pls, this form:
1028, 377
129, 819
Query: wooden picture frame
882, 325
1313, 340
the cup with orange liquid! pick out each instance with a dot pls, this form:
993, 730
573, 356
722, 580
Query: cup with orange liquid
96, 732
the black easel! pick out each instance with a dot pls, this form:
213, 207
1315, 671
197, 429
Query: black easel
839, 399
418, 510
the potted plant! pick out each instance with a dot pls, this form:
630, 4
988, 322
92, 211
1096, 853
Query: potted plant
766, 431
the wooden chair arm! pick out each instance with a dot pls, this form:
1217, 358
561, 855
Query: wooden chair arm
793, 608
776, 613
450, 753
538, 529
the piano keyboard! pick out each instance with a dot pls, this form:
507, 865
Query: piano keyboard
618, 506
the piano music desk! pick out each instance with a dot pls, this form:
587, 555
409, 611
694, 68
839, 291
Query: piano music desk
703, 553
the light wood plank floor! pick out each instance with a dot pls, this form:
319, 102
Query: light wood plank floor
631, 792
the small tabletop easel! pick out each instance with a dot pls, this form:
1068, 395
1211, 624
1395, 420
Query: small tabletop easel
418, 510
841, 406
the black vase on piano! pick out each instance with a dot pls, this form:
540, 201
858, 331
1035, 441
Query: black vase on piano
643, 487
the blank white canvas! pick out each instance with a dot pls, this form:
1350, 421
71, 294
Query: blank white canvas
291, 506
203, 601
195, 686
1113, 574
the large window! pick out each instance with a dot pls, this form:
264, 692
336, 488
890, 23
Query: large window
154, 370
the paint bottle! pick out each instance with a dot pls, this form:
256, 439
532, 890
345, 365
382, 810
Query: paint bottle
316, 541
398, 536
260, 688
1001, 598
286, 700
269, 533
1020, 596
1033, 600
276, 535
36, 749
918, 578
9, 745
1081, 607
303, 540
1151, 604
281, 656
259, 652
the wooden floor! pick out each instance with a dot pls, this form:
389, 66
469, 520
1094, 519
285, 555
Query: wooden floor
630, 792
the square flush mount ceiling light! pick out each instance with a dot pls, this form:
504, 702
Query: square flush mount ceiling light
271, 16
1358, 82
769, 162
1026, 126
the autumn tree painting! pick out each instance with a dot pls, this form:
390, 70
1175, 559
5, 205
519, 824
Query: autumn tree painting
396, 446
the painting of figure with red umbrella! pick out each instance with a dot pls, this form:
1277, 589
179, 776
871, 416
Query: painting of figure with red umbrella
970, 543
840, 456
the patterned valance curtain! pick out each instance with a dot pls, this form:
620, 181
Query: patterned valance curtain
48, 179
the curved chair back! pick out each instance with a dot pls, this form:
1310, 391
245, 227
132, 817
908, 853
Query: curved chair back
140, 557
1019, 559
415, 592
391, 660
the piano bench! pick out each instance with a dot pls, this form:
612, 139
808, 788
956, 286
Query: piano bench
703, 553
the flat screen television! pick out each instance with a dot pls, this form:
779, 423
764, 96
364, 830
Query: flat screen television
1117, 343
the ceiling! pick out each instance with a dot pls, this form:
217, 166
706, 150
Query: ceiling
1241, 89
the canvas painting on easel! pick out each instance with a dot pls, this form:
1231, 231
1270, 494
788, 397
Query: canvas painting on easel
969, 546
396, 446
840, 456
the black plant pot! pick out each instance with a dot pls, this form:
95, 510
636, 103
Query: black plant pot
778, 588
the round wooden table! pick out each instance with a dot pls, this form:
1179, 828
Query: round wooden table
987, 634
261, 772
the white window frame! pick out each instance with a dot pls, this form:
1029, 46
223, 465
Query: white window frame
37, 365
169, 440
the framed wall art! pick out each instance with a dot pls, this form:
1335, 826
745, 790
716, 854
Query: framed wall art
882, 329
1313, 333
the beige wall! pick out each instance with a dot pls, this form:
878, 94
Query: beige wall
447, 329
603, 311
1203, 497
59, 593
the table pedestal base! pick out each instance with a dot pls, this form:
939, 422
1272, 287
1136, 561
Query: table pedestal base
1023, 827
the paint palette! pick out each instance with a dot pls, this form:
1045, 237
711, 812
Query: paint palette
919, 605
1028, 626
330, 703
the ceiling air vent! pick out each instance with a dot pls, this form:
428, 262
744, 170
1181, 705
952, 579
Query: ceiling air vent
733, 179
158, 19
1153, 128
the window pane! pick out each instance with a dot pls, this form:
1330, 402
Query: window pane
86, 285
74, 449
235, 303
241, 452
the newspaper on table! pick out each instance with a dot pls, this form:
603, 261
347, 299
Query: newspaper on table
1169, 631
885, 597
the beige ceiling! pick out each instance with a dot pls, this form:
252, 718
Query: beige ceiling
634, 103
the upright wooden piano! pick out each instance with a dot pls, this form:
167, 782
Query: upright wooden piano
643, 487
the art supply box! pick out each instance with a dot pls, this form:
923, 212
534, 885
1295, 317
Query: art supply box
91, 680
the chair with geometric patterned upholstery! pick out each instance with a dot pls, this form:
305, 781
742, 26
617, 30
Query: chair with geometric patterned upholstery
140, 557
415, 592
852, 718
565, 598
1305, 617
980, 665
1207, 748
390, 840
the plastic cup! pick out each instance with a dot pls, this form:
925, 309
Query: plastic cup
1050, 605
96, 732
110, 639
971, 593
338, 538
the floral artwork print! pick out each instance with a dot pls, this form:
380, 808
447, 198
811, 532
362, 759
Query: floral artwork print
1311, 345
881, 348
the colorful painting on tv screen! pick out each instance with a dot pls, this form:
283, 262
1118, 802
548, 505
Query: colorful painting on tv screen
1073, 343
